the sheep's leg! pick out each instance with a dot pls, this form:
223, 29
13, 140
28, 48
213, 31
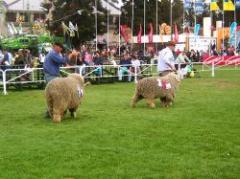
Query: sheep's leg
73, 113
135, 99
151, 103
163, 101
49, 112
169, 100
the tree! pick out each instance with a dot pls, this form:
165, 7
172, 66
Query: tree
163, 13
80, 12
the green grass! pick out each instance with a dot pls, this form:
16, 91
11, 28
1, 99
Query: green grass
198, 137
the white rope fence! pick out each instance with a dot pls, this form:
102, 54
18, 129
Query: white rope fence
36, 76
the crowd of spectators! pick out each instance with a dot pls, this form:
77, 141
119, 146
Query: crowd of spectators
127, 60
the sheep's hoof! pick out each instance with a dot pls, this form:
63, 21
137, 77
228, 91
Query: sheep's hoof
73, 114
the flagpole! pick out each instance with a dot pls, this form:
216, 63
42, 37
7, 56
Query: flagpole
156, 22
107, 25
195, 17
171, 18
96, 24
211, 24
211, 21
235, 32
119, 34
183, 17
144, 24
132, 26
223, 28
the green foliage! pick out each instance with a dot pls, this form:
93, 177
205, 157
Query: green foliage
22, 42
198, 137
67, 11
28, 41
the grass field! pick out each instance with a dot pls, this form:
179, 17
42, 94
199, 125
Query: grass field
198, 137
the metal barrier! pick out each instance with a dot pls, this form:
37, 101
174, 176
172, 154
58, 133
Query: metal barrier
2, 80
112, 73
18, 77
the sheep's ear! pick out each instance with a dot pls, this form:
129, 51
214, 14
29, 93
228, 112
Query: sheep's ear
80, 79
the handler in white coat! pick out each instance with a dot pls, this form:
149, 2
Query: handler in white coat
166, 59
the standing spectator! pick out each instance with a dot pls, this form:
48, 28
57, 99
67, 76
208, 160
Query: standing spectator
1, 57
181, 60
193, 56
27, 58
7, 57
98, 62
213, 47
19, 58
88, 58
166, 59
135, 63
125, 67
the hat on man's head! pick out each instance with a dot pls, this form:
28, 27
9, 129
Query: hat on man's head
171, 43
59, 44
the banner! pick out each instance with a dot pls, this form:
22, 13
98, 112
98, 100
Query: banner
228, 5
214, 6
199, 7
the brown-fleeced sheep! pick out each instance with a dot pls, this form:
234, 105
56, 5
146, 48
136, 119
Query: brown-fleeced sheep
156, 87
64, 94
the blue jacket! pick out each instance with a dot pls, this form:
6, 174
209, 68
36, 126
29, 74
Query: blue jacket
52, 63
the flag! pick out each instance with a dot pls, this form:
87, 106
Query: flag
139, 36
187, 4
196, 29
228, 5
124, 32
150, 33
214, 6
176, 37
233, 28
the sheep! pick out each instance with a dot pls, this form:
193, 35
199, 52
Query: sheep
64, 94
156, 87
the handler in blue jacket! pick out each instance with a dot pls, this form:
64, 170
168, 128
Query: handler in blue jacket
54, 60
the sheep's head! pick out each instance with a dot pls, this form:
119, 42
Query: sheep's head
77, 77
174, 77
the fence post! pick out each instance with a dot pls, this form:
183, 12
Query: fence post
4, 83
135, 74
213, 70
80, 70
179, 66
32, 73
